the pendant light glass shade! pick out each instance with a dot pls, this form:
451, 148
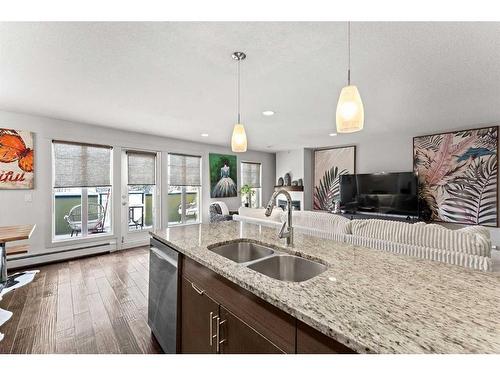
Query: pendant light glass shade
350, 111
239, 139
350, 116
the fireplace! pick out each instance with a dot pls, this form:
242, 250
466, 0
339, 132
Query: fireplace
295, 204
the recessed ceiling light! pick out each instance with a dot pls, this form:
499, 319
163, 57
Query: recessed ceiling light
332, 134
268, 113
204, 134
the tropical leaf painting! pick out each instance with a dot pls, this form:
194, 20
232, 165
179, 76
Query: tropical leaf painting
328, 190
473, 203
329, 165
458, 175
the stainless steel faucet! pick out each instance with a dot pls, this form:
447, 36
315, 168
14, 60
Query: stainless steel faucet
288, 234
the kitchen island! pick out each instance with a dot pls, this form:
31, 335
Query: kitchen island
368, 300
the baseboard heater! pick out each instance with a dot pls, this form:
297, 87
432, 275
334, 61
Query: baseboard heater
29, 260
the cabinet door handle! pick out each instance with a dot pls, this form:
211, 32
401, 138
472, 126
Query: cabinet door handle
199, 291
217, 335
211, 328
211, 335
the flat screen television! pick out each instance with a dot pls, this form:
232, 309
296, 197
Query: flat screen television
382, 193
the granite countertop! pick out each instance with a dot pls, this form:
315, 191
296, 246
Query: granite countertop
369, 300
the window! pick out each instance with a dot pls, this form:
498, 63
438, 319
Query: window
81, 190
141, 171
184, 189
250, 175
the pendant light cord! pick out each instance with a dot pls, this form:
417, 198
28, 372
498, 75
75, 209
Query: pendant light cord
239, 122
349, 52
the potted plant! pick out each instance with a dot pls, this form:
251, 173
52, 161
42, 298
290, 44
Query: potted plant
247, 191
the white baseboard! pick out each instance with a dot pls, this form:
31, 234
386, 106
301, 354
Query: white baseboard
28, 260
135, 243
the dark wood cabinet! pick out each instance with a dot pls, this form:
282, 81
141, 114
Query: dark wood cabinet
274, 324
218, 316
209, 328
199, 314
237, 337
311, 341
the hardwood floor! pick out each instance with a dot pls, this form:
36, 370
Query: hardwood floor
90, 305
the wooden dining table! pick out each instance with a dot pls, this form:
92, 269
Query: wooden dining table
11, 234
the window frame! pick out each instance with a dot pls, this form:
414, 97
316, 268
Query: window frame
156, 196
95, 237
184, 194
155, 219
258, 191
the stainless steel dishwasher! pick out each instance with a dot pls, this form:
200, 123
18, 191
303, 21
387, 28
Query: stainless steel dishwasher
162, 301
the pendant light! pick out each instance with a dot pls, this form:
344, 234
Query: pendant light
350, 112
239, 138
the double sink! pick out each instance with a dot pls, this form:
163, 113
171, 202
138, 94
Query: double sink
268, 262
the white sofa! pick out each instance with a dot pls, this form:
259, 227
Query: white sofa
257, 216
468, 247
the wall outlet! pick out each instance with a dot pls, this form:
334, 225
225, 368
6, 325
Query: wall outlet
28, 197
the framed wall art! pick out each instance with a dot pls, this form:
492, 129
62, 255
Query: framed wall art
329, 164
16, 159
458, 175
223, 176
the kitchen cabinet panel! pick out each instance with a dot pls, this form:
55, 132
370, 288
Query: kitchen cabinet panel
237, 337
198, 320
271, 322
246, 324
311, 341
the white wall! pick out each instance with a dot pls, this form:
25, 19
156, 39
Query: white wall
298, 163
388, 153
308, 178
15, 210
292, 162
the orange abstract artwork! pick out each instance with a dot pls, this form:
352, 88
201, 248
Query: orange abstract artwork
16, 159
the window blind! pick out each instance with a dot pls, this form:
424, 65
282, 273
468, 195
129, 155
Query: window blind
250, 174
141, 168
184, 170
81, 165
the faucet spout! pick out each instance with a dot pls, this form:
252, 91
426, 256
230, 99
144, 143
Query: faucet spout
271, 204
288, 233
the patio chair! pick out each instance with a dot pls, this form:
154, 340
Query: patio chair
191, 209
96, 215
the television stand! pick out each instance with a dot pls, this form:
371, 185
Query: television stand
366, 216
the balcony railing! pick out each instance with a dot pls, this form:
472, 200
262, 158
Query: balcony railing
64, 202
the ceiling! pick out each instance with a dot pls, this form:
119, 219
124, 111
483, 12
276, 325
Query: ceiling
178, 79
